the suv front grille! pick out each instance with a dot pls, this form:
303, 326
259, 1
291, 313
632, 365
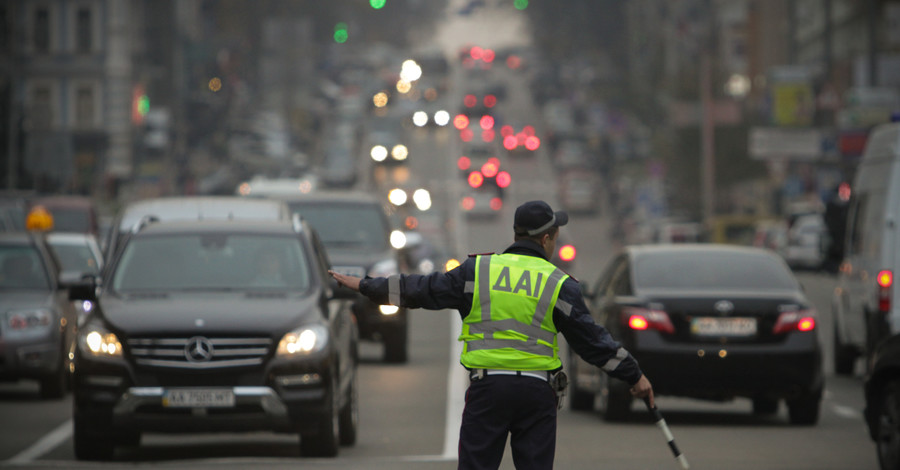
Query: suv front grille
199, 352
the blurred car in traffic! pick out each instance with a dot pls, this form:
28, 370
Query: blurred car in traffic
77, 253
579, 190
706, 321
356, 230
37, 332
807, 242
70, 213
216, 326
882, 409
865, 302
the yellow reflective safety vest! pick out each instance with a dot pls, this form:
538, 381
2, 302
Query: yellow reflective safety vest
511, 325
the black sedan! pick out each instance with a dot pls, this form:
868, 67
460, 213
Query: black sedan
707, 321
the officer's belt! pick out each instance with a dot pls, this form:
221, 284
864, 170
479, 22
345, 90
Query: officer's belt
478, 374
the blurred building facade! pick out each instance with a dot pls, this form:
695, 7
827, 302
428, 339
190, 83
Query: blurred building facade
762, 103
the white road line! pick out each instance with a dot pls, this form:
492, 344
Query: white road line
846, 411
45, 444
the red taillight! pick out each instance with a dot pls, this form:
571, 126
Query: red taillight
638, 318
503, 179
885, 280
797, 320
475, 179
567, 253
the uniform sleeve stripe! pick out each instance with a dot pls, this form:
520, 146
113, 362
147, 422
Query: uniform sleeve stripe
394, 289
613, 363
564, 307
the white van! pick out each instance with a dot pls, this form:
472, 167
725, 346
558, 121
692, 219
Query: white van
866, 301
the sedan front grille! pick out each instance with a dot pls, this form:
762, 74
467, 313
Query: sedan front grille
199, 352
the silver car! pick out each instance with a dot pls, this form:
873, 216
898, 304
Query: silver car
37, 319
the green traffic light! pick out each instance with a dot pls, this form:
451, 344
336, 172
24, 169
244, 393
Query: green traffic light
520, 4
340, 33
377, 4
143, 105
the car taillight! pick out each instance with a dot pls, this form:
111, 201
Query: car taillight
795, 320
885, 280
639, 318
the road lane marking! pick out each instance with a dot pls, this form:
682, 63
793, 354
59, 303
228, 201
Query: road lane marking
47, 443
846, 411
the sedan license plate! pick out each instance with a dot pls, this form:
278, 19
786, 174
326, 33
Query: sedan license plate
712, 326
198, 398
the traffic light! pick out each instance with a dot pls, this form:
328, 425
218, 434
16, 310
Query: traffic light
340, 33
520, 4
377, 4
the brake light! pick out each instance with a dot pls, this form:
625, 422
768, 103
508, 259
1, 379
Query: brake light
567, 253
885, 280
640, 318
796, 320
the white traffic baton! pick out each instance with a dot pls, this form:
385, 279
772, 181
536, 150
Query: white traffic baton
661, 424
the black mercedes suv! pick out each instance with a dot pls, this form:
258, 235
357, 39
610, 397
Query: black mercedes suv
207, 326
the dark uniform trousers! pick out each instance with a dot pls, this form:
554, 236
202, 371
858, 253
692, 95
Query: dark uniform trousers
500, 405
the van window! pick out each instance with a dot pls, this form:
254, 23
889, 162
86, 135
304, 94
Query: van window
857, 214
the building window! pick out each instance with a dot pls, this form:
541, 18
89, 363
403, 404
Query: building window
41, 30
84, 107
84, 32
40, 114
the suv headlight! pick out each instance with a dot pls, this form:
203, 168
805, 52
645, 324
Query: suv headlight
384, 268
302, 341
99, 342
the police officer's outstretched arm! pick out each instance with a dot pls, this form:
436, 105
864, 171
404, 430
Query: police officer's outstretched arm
594, 344
351, 282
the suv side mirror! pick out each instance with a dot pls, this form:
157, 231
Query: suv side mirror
81, 287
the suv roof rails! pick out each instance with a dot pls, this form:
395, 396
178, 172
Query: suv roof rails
143, 223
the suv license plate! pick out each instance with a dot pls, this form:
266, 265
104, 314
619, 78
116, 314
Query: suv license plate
712, 326
198, 398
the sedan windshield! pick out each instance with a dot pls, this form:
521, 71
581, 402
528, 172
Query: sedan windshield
21, 268
711, 271
212, 262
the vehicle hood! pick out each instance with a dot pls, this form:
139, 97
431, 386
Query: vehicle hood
20, 300
208, 313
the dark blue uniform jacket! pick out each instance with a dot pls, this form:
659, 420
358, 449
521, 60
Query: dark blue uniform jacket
439, 290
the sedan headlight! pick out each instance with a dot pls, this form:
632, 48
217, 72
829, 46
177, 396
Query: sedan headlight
305, 340
99, 342
384, 268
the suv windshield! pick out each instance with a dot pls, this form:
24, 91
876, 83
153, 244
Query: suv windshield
342, 226
212, 261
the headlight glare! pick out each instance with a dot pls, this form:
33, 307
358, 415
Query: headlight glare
99, 342
384, 268
306, 340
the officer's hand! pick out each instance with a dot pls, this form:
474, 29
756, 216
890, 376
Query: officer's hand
643, 389
348, 281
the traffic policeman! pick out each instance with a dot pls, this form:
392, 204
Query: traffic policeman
513, 305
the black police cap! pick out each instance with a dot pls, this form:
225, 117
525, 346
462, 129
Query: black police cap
533, 217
